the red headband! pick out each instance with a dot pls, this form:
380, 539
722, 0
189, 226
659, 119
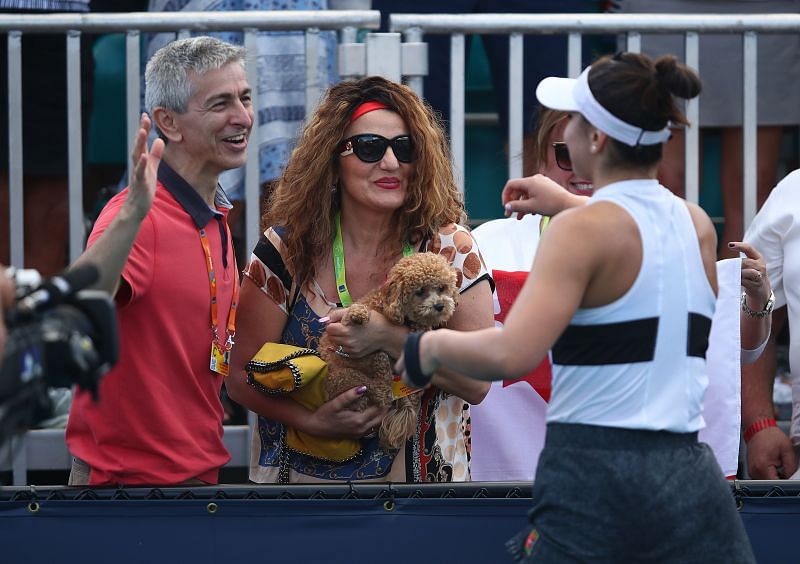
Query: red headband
367, 107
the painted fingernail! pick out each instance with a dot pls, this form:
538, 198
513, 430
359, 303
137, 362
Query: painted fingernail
361, 390
507, 207
731, 245
325, 319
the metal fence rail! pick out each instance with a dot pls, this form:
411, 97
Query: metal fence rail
412, 27
132, 24
577, 25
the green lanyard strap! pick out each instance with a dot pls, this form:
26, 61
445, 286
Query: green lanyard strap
338, 263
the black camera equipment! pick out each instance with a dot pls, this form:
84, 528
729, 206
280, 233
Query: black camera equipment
59, 335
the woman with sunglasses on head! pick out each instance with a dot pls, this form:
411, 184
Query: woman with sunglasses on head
621, 292
369, 182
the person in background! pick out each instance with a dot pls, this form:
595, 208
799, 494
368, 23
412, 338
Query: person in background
369, 182
163, 249
280, 92
508, 425
622, 291
721, 103
776, 231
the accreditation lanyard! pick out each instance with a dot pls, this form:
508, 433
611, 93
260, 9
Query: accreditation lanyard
220, 352
338, 263
544, 223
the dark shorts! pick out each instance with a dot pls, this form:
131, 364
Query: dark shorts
617, 495
44, 101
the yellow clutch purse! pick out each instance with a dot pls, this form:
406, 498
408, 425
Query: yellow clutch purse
298, 373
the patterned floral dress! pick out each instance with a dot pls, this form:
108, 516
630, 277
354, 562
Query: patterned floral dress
440, 450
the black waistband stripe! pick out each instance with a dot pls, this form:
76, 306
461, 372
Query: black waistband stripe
610, 343
697, 340
625, 342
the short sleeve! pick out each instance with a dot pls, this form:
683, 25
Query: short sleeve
455, 243
769, 230
267, 270
138, 270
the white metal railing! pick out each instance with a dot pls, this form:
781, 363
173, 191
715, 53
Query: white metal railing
46, 449
575, 26
409, 61
132, 24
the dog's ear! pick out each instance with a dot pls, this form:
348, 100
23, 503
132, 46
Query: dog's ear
395, 301
453, 286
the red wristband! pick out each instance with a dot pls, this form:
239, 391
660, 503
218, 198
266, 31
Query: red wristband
758, 425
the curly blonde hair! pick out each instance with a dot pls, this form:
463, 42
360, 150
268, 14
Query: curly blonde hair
304, 204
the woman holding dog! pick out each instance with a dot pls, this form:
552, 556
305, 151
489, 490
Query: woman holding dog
621, 292
369, 182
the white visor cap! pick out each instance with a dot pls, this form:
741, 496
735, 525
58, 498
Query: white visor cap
574, 95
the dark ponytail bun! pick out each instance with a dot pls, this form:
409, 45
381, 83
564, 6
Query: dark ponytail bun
677, 78
642, 92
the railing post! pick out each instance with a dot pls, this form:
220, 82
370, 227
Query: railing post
414, 55
312, 70
692, 133
133, 99
383, 55
750, 127
634, 42
574, 55
15, 169
19, 459
74, 144
352, 55
252, 188
515, 96
457, 58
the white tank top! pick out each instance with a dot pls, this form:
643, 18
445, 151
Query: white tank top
639, 362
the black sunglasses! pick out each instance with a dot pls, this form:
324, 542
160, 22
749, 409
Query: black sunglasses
370, 148
563, 159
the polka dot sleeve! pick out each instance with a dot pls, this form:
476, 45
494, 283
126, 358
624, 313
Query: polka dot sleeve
267, 270
456, 244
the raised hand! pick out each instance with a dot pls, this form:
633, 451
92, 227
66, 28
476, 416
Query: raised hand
754, 275
537, 194
144, 170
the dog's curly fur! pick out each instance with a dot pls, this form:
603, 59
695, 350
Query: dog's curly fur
421, 293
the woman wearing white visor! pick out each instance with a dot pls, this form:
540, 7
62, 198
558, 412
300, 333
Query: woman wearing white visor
621, 293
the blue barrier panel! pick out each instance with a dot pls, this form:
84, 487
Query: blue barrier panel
279, 525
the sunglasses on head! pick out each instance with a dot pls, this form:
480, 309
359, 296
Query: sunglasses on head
370, 148
563, 159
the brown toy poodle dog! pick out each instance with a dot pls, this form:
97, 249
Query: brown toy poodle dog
420, 292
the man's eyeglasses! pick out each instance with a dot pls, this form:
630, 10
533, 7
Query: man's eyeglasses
370, 148
563, 159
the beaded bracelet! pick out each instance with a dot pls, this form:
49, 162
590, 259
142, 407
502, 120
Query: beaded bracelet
757, 426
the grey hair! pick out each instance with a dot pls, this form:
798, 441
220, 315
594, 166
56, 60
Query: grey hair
166, 77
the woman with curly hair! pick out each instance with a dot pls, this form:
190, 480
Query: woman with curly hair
369, 182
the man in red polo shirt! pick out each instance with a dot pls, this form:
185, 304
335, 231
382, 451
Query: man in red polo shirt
164, 251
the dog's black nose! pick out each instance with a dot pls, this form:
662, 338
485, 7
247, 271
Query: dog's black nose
438, 307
